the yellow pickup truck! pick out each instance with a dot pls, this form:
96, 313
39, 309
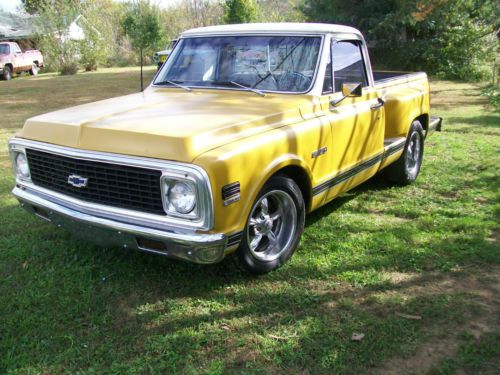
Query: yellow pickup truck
244, 130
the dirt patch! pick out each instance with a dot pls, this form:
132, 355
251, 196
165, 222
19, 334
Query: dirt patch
495, 236
485, 287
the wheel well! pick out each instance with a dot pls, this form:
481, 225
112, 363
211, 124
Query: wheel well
301, 178
35, 62
10, 66
424, 120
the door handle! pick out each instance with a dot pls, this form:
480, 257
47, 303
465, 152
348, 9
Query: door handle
380, 104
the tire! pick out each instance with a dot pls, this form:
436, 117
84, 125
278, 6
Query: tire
7, 73
34, 70
277, 217
405, 170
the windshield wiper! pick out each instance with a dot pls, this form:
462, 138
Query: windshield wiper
174, 84
258, 92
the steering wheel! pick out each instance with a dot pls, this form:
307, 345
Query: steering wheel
294, 80
263, 78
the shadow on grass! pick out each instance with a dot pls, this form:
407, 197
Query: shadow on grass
77, 306
488, 121
66, 306
376, 183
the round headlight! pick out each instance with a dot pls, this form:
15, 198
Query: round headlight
182, 196
23, 169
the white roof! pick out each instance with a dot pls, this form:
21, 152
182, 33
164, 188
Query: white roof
273, 28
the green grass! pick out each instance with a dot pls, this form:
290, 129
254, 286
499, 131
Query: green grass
430, 250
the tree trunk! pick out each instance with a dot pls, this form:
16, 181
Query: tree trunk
142, 81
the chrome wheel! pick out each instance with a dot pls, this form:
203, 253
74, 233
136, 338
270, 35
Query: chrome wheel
413, 154
272, 225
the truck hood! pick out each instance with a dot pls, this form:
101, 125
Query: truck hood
168, 123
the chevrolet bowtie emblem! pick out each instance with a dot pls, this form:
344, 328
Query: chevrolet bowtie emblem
77, 181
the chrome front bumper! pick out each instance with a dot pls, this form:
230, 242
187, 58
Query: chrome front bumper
185, 245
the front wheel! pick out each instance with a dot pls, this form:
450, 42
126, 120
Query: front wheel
274, 226
405, 170
7, 73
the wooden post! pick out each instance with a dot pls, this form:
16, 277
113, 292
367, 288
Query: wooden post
142, 81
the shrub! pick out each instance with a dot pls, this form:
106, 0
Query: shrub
492, 93
68, 69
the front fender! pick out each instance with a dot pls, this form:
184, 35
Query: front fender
251, 162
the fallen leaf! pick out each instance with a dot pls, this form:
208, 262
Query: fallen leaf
357, 336
407, 316
25, 264
282, 337
225, 326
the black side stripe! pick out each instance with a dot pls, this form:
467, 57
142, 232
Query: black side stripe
393, 149
347, 174
234, 239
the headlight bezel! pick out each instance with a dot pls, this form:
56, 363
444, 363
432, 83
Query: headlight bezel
168, 180
14, 154
172, 204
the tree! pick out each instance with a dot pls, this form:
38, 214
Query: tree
240, 11
187, 14
450, 38
141, 24
280, 11
61, 52
39, 6
33, 6
98, 20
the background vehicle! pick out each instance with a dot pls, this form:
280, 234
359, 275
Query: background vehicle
244, 130
13, 60
161, 56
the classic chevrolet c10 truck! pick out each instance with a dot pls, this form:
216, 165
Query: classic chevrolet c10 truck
244, 130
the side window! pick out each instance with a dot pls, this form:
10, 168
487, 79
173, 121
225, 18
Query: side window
17, 49
348, 66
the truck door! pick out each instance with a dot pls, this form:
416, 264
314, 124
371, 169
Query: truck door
19, 63
357, 123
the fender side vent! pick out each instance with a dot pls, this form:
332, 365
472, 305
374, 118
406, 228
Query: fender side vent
231, 193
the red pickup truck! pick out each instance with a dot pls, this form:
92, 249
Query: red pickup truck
13, 60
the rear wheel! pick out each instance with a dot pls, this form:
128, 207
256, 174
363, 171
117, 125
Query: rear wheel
274, 226
406, 169
34, 70
7, 73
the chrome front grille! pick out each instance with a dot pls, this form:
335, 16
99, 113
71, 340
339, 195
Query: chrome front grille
116, 185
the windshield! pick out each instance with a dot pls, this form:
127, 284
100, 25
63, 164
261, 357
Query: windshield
274, 63
4, 49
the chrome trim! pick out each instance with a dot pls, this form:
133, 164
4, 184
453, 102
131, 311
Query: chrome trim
394, 147
181, 177
204, 191
347, 174
12, 155
435, 124
309, 89
186, 245
80, 181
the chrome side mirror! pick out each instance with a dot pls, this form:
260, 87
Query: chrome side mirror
349, 90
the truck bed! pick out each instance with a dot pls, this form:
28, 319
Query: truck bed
383, 76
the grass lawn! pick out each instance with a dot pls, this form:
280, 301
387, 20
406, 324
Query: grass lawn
415, 269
